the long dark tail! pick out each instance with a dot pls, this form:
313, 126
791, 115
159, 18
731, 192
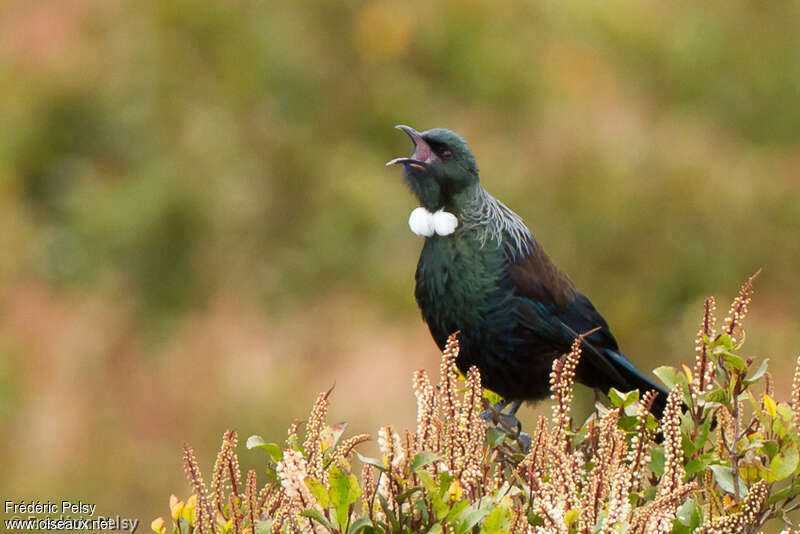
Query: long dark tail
636, 380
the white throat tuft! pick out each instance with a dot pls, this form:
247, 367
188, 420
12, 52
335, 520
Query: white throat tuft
423, 222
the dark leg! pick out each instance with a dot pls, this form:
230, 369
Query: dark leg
494, 412
509, 419
508, 423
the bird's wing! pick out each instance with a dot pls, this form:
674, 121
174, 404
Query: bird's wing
552, 310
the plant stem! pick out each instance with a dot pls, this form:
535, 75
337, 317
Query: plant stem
734, 445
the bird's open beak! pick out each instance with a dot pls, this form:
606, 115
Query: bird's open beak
422, 156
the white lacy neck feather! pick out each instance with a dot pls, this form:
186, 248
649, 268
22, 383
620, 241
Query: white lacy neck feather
423, 222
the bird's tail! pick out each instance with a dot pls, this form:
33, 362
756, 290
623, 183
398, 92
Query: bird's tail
636, 380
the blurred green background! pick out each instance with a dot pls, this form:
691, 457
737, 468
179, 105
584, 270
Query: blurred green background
197, 230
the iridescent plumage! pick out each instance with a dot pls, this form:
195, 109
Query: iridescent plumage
492, 281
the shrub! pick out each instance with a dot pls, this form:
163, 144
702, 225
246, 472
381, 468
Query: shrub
724, 458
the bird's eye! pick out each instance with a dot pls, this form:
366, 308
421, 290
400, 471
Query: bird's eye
446, 154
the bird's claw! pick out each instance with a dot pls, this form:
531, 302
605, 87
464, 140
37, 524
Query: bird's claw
494, 413
525, 442
507, 422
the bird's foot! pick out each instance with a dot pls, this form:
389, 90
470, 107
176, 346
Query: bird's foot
507, 422
495, 414
524, 442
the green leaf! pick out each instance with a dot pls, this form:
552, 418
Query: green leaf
581, 434
629, 423
344, 492
669, 376
456, 511
406, 494
615, 396
472, 517
657, 461
722, 343
785, 463
785, 412
360, 524
372, 461
440, 508
272, 475
751, 471
689, 514
273, 449
318, 491
770, 406
732, 361
785, 493
687, 445
678, 528
571, 516
705, 430
719, 395
444, 481
491, 396
494, 436
422, 510
390, 515
620, 399
355, 489
695, 465
783, 424
498, 519
724, 476
652, 423
318, 517
770, 448
536, 520
428, 483
421, 459
255, 441
762, 369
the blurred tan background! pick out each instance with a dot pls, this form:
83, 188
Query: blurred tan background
197, 231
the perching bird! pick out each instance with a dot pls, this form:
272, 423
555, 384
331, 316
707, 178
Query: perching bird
482, 273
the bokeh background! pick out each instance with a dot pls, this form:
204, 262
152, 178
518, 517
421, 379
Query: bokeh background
197, 231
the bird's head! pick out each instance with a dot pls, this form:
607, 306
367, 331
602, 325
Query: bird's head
440, 167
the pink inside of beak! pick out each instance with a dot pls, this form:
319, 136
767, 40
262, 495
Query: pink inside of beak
422, 152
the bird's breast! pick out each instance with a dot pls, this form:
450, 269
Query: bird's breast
459, 284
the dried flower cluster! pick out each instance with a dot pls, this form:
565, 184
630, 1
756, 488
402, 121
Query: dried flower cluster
226, 471
733, 322
796, 392
562, 380
203, 508
704, 367
449, 427
713, 464
279, 506
674, 471
738, 521
559, 481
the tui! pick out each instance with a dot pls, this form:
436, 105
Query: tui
481, 273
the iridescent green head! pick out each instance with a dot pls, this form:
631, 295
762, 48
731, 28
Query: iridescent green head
440, 167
